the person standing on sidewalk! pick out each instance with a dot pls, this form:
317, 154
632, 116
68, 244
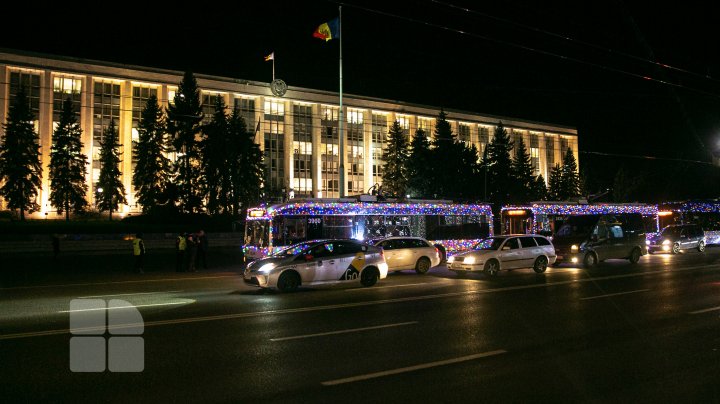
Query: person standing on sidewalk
180, 248
191, 253
139, 252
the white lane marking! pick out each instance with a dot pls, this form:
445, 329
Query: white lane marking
346, 305
387, 287
614, 294
412, 368
123, 307
343, 331
132, 294
705, 310
121, 282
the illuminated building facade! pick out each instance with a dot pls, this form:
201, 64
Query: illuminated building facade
298, 131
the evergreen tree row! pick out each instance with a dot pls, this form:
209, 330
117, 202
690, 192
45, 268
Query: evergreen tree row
218, 165
446, 167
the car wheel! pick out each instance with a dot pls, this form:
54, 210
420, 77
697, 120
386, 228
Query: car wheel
288, 282
701, 246
635, 256
676, 248
492, 267
590, 260
541, 264
369, 276
422, 265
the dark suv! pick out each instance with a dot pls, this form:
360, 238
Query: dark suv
678, 237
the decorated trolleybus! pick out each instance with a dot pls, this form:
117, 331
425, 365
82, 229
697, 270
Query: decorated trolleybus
449, 226
547, 217
705, 213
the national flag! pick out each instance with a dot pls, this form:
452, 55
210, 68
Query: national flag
328, 30
270, 57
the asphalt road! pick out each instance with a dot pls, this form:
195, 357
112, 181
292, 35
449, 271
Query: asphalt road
617, 333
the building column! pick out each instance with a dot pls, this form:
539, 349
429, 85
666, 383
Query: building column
46, 131
367, 150
86, 125
125, 140
289, 163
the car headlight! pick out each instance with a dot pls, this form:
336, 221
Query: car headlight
451, 259
647, 242
574, 247
666, 242
469, 260
266, 268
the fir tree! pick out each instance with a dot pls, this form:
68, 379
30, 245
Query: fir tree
68, 164
184, 117
447, 175
570, 177
395, 159
418, 168
214, 159
538, 190
523, 173
152, 169
20, 167
245, 164
113, 190
555, 192
500, 178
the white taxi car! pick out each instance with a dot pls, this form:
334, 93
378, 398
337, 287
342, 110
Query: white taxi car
318, 262
409, 253
494, 254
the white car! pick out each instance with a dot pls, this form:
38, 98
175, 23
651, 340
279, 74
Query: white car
409, 253
505, 252
318, 262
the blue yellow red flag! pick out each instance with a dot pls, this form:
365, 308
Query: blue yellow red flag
328, 30
270, 57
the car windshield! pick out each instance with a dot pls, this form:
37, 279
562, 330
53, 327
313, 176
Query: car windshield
292, 250
492, 243
578, 226
671, 231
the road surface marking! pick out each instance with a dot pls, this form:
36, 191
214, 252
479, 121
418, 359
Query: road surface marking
348, 305
343, 331
705, 310
387, 287
131, 294
123, 307
412, 368
614, 294
121, 282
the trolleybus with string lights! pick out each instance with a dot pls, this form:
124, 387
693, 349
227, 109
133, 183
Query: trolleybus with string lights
451, 227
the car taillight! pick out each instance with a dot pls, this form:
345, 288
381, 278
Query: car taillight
437, 251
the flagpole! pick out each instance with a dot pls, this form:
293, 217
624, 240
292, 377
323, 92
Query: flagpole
273, 59
340, 124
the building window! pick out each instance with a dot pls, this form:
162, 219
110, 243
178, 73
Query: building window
209, 100
302, 150
140, 96
64, 88
106, 108
355, 116
379, 136
426, 124
535, 160
354, 151
550, 152
329, 157
464, 132
564, 145
31, 84
246, 107
404, 122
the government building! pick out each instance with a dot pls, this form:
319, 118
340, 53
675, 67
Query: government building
298, 131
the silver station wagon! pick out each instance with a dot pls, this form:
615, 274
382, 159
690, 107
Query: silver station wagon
409, 253
505, 252
318, 262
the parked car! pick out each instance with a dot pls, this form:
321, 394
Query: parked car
676, 238
589, 239
318, 262
498, 253
409, 253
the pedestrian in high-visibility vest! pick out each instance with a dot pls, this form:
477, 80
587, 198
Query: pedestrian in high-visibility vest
139, 252
180, 248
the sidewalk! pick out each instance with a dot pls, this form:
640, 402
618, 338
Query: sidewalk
28, 269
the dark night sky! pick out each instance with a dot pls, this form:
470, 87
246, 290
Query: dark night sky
579, 64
